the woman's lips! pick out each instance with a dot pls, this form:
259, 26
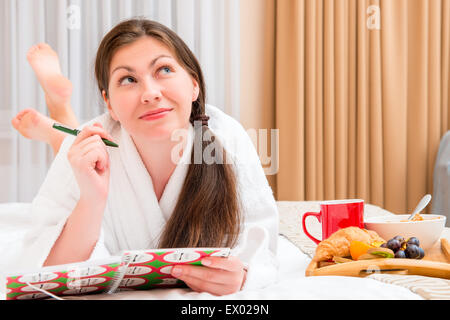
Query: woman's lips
156, 114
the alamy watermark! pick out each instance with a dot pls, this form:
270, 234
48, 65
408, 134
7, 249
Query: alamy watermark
374, 19
237, 150
73, 15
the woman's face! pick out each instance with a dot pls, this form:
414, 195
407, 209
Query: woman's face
150, 94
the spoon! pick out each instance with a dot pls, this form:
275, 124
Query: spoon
420, 206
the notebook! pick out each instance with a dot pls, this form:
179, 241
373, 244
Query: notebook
133, 270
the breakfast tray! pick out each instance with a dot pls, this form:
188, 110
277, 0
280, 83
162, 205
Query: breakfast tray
435, 264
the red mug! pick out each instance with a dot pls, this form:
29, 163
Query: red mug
335, 215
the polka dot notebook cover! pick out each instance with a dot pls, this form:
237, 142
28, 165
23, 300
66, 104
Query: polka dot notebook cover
134, 270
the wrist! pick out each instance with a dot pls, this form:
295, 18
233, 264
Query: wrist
87, 218
90, 210
97, 202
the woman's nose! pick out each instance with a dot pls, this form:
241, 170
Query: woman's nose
151, 92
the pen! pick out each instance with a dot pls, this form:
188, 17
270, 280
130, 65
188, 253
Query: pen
75, 132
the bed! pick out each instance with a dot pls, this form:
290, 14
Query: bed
294, 255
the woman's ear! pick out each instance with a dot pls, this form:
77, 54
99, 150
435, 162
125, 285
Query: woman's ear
108, 105
195, 91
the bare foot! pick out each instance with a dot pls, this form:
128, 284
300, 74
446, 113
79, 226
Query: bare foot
58, 89
33, 125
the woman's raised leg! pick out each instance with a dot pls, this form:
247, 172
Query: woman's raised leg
58, 89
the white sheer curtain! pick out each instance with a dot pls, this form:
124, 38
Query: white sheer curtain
74, 29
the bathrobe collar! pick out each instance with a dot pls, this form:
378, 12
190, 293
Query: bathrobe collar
142, 182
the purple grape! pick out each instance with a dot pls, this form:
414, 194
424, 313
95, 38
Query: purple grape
421, 253
413, 240
412, 251
399, 238
400, 254
394, 245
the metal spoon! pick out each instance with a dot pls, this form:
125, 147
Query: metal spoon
420, 206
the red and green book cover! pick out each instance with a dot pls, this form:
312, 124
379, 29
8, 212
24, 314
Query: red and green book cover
133, 270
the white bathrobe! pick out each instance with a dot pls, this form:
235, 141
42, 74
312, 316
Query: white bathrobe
134, 219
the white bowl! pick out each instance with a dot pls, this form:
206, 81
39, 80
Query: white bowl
427, 231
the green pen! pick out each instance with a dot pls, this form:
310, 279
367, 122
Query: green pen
75, 132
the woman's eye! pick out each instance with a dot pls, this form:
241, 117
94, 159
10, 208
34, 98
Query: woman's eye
126, 80
165, 70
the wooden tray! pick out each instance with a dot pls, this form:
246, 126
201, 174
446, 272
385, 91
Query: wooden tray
434, 264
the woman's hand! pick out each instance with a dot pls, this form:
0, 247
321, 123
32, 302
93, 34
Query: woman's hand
218, 276
90, 163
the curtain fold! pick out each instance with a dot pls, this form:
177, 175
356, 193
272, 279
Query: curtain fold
289, 100
445, 67
394, 52
362, 98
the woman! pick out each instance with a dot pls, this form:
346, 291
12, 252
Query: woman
152, 191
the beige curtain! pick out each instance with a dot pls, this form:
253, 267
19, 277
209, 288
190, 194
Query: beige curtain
361, 108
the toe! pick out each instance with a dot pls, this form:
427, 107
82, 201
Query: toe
20, 114
42, 45
15, 123
31, 51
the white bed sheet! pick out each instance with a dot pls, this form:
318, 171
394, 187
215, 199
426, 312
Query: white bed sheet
292, 283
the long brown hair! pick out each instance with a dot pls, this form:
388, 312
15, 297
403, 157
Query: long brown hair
207, 213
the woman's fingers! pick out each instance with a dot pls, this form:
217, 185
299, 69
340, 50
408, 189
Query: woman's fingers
96, 156
89, 159
87, 140
90, 143
94, 139
108, 136
206, 274
230, 263
89, 131
79, 151
89, 148
200, 285
221, 276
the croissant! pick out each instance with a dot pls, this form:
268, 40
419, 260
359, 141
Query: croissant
338, 244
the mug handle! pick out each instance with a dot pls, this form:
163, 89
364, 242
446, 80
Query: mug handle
318, 215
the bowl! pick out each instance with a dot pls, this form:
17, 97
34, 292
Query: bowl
427, 231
